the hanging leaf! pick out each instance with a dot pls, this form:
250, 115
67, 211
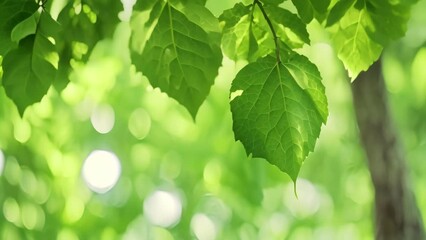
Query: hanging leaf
13, 12
30, 69
179, 59
278, 110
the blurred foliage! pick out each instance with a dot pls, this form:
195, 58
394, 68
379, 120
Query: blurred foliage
186, 180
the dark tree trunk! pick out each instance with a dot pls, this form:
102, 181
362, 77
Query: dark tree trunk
397, 216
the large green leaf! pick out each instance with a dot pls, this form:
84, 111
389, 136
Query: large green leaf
30, 69
179, 59
278, 110
12, 12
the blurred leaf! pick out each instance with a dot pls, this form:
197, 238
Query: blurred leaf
29, 70
179, 59
274, 116
338, 11
354, 47
365, 29
389, 20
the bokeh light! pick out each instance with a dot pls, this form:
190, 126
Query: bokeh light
308, 201
203, 227
139, 123
103, 119
163, 208
101, 171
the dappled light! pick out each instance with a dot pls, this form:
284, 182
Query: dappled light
101, 171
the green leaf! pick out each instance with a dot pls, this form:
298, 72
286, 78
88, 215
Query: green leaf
142, 5
244, 38
179, 59
237, 39
389, 20
277, 112
25, 28
29, 69
289, 26
338, 11
305, 10
355, 48
273, 2
13, 12
201, 16
78, 29
308, 9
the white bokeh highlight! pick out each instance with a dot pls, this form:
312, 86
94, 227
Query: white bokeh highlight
309, 200
203, 227
103, 118
101, 171
162, 208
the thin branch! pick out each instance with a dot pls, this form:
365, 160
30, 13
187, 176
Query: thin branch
274, 34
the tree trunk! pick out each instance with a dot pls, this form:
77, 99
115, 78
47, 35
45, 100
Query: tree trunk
397, 216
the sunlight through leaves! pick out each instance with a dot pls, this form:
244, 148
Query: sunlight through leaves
101, 171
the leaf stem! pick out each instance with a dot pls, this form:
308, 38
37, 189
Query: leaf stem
274, 34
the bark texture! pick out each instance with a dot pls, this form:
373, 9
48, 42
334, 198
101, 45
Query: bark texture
397, 216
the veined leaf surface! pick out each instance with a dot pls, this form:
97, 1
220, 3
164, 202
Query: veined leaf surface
275, 116
180, 59
30, 69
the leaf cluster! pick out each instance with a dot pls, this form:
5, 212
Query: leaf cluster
278, 101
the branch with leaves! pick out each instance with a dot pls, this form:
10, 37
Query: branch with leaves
278, 101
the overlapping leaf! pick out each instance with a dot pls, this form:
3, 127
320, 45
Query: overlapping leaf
289, 26
82, 29
29, 69
180, 59
278, 110
365, 29
354, 46
13, 12
310, 9
338, 11
238, 40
